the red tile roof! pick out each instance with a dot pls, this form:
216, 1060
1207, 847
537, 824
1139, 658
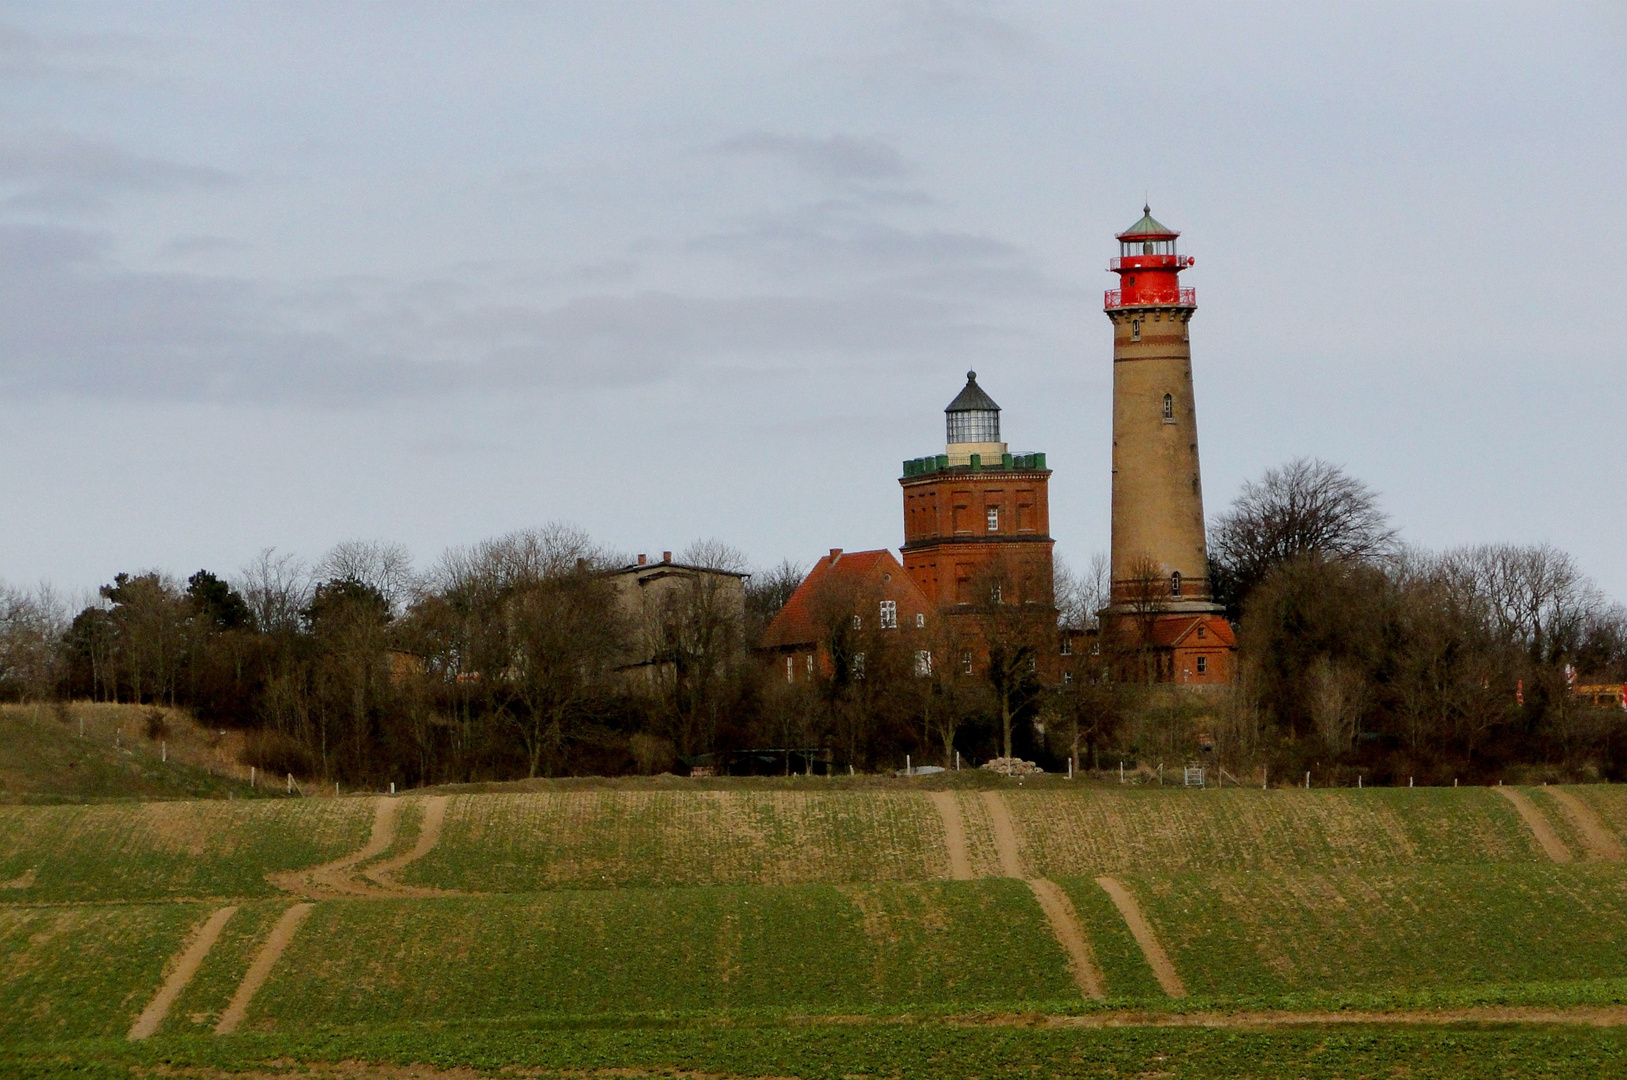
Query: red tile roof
798, 621
1170, 631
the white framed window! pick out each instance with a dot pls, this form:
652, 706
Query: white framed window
923, 661
920, 620
966, 663
856, 666
993, 514
889, 615
1067, 644
1067, 678
790, 669
1169, 408
858, 623
810, 665
994, 594
1203, 664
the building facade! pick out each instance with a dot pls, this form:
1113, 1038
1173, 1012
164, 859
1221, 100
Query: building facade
977, 516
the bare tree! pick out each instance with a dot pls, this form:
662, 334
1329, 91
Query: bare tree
1081, 596
1337, 698
1307, 506
766, 593
1536, 594
277, 588
381, 565
32, 623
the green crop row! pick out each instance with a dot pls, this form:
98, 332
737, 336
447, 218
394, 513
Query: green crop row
76, 972
597, 839
1255, 937
1097, 831
812, 948
600, 839
858, 1052
149, 851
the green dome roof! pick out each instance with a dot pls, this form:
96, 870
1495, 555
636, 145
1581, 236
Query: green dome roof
1148, 228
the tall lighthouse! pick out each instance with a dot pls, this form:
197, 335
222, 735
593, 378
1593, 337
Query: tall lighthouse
1160, 565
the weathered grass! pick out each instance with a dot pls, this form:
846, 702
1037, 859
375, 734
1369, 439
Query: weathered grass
601, 839
1261, 936
76, 972
197, 850
1105, 831
810, 948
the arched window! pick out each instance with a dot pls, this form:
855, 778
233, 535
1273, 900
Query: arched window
1175, 583
1169, 407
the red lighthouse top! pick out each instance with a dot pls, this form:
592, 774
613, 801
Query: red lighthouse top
1148, 266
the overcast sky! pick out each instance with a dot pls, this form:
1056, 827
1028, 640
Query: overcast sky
283, 274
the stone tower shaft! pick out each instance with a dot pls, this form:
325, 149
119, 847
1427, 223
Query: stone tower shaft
1159, 551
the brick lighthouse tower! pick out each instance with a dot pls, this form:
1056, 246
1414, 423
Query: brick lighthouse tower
1161, 604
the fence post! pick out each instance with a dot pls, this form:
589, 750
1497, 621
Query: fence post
1307, 779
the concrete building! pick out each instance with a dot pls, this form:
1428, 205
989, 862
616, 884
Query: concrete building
677, 615
1160, 566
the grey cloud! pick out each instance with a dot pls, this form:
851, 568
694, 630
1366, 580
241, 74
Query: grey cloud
76, 324
182, 246
839, 157
59, 171
838, 235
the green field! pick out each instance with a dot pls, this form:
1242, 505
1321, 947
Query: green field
758, 930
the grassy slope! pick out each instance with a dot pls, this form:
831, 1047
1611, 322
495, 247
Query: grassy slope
1263, 936
46, 760
600, 839
147, 851
73, 972
1104, 831
808, 948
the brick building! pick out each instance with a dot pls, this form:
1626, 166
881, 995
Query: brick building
851, 607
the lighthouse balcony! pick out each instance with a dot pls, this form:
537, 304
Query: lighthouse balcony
1128, 298
1150, 262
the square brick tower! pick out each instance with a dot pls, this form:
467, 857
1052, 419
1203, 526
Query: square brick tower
977, 508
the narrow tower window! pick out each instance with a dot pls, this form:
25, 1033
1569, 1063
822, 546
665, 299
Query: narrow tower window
1169, 407
1175, 583
993, 516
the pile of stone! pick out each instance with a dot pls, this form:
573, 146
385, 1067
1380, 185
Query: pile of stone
1011, 766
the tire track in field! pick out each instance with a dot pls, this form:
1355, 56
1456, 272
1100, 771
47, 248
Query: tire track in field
1005, 835
1599, 843
186, 964
270, 952
1065, 926
1141, 929
336, 878
954, 835
1544, 832
1058, 909
429, 834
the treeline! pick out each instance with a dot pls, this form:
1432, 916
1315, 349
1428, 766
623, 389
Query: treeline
516, 657
1358, 655
509, 659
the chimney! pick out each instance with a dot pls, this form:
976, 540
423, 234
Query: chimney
641, 560
666, 556
835, 553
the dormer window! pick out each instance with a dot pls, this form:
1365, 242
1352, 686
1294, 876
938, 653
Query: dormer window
1169, 408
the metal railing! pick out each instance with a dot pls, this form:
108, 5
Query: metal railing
1114, 298
1154, 262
